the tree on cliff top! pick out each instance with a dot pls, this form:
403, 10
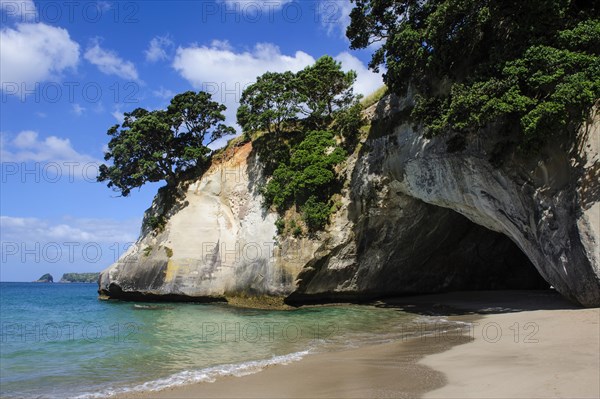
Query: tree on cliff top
533, 65
269, 103
278, 100
151, 146
326, 88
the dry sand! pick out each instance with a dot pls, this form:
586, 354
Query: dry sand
540, 354
526, 344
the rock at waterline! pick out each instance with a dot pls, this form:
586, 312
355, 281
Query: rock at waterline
46, 278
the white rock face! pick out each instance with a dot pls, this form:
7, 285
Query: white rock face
414, 219
549, 208
219, 241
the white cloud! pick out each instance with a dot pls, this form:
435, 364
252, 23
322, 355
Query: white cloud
218, 69
33, 53
26, 146
78, 109
334, 16
157, 49
104, 5
109, 62
163, 93
366, 81
82, 230
65, 161
118, 115
33, 246
219, 65
19, 10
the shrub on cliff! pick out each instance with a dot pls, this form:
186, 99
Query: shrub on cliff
309, 173
533, 66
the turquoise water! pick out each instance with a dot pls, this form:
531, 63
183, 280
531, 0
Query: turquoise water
59, 340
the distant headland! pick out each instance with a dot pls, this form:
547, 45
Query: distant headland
79, 278
70, 278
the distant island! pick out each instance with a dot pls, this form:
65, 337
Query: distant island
46, 278
79, 278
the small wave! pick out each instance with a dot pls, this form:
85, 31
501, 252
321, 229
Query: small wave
152, 307
209, 374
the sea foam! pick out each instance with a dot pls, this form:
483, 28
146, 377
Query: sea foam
209, 374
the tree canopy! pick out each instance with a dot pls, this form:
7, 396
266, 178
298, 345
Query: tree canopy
151, 146
270, 102
315, 93
326, 88
532, 65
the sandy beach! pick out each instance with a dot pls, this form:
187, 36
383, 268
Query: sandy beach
517, 344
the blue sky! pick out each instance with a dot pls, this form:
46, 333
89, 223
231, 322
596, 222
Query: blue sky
70, 69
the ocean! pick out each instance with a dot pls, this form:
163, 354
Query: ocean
59, 340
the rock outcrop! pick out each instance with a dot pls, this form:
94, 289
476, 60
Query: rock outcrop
46, 278
79, 278
549, 207
414, 218
218, 241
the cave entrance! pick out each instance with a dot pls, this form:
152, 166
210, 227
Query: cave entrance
433, 249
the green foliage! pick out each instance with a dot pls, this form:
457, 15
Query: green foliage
280, 225
297, 232
315, 213
374, 97
348, 123
533, 65
148, 251
295, 228
325, 89
299, 151
156, 223
169, 252
274, 149
308, 173
276, 101
270, 102
151, 146
80, 277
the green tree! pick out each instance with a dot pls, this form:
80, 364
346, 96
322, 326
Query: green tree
270, 102
326, 88
531, 65
308, 178
348, 123
152, 146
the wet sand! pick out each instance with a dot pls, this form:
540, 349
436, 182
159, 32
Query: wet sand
519, 344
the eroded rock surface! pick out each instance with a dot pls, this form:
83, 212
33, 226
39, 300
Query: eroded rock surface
415, 218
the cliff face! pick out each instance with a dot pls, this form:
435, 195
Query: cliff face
415, 218
549, 208
218, 241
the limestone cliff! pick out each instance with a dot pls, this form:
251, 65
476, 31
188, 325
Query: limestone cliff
218, 240
415, 218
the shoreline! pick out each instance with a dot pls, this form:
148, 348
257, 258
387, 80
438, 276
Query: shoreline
518, 344
347, 373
